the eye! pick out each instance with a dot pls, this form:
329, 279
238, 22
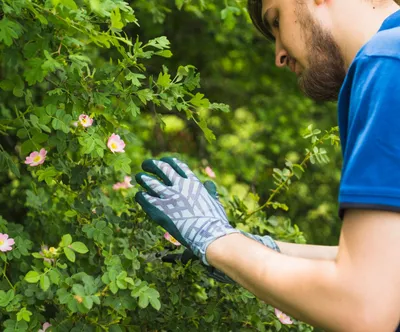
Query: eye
275, 23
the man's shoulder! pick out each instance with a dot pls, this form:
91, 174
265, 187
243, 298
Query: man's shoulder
383, 44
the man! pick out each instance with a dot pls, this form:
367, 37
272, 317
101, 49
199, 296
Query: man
345, 49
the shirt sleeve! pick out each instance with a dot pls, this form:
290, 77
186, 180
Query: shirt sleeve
371, 164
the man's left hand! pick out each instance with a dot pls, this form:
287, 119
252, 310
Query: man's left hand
182, 205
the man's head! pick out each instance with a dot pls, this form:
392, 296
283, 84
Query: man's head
318, 39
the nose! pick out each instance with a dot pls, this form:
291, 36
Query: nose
281, 55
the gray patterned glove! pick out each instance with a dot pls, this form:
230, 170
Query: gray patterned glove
181, 204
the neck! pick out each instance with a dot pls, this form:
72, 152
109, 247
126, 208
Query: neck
358, 23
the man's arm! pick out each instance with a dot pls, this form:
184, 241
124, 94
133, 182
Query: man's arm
308, 250
359, 291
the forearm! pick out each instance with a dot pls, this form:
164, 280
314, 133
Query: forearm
308, 251
308, 289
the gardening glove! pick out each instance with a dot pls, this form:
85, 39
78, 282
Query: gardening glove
265, 240
181, 204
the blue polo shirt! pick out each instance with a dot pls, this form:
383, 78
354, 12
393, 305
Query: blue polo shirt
369, 123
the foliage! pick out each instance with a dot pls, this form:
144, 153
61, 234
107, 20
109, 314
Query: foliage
85, 257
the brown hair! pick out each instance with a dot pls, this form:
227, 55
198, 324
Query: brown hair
255, 10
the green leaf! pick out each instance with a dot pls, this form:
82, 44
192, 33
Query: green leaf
70, 254
133, 109
24, 314
54, 276
119, 162
154, 296
44, 282
6, 298
70, 213
220, 107
78, 289
79, 247
47, 174
62, 121
6, 162
145, 95
67, 3
164, 80
50, 65
9, 30
134, 78
33, 71
207, 132
32, 277
160, 42
143, 300
88, 302
199, 101
164, 53
116, 22
66, 240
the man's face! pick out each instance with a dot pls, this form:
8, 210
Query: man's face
307, 48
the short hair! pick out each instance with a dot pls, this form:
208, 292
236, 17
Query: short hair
255, 11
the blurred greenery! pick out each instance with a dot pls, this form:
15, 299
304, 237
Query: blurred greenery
269, 113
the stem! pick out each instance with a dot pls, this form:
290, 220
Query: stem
284, 183
5, 276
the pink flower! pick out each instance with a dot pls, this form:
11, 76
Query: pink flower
45, 327
210, 172
85, 120
123, 185
5, 242
36, 158
171, 239
115, 143
283, 318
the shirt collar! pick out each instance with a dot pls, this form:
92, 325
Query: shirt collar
391, 22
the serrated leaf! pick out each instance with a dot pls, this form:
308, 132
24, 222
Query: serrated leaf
134, 78
164, 80
207, 132
199, 101
33, 71
116, 22
145, 95
9, 30
6, 298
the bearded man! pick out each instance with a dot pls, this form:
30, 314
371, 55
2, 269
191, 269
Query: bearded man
345, 50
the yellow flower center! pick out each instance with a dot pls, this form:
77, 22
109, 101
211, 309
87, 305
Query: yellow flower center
37, 159
173, 239
114, 145
1, 242
78, 298
84, 121
52, 250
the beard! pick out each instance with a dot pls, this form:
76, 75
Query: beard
323, 78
